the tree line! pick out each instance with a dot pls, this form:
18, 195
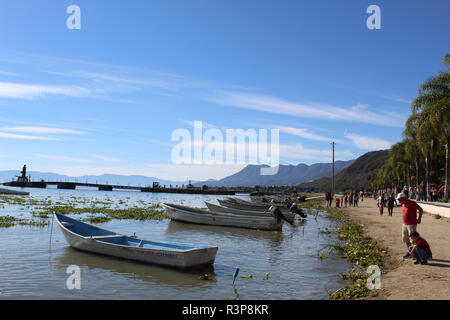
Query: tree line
420, 160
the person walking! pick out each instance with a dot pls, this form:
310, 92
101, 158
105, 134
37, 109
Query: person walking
329, 199
390, 204
355, 200
380, 204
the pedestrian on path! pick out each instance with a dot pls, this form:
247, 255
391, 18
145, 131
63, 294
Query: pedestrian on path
410, 220
390, 204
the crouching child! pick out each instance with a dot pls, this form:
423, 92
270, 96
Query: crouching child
420, 249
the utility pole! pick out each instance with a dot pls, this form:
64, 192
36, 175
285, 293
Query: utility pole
332, 177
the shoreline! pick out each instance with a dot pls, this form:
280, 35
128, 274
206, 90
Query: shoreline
401, 279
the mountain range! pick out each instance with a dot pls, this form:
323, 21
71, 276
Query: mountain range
355, 177
287, 175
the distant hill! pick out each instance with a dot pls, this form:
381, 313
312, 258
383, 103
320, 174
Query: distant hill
288, 175
354, 177
134, 180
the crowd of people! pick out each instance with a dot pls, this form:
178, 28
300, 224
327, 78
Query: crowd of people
347, 199
419, 193
417, 247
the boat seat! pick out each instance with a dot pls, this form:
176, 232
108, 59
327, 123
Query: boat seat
105, 237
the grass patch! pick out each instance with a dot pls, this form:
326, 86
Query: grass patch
8, 221
97, 219
135, 213
357, 248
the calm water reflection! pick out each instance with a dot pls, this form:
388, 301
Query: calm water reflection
31, 267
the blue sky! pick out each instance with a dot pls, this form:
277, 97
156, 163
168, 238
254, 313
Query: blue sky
106, 98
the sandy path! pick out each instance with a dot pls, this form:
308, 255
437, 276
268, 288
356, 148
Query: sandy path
404, 279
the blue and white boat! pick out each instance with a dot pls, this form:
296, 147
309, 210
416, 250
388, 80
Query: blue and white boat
90, 238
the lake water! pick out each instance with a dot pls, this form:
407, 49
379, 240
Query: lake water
273, 264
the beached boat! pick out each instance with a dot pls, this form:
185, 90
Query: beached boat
200, 216
13, 192
242, 201
258, 213
251, 207
90, 238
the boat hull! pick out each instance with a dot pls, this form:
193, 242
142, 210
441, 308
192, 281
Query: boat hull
185, 214
181, 259
251, 207
239, 212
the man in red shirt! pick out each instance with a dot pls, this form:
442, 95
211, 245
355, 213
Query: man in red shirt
410, 219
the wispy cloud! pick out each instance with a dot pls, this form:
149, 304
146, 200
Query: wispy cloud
105, 158
205, 125
378, 94
62, 158
368, 143
114, 82
7, 73
35, 91
307, 134
194, 171
299, 153
24, 137
40, 130
265, 103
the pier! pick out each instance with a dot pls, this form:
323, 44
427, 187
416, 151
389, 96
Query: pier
109, 187
24, 181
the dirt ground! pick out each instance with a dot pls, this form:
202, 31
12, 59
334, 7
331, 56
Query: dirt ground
405, 280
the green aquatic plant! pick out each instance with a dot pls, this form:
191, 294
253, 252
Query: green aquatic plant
357, 248
9, 221
135, 213
96, 219
207, 277
363, 252
320, 256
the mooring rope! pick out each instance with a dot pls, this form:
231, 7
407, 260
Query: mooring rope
50, 244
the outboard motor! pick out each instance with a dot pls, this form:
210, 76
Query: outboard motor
276, 212
295, 209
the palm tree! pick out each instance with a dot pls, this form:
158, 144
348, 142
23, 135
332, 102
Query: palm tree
434, 102
425, 139
410, 137
440, 120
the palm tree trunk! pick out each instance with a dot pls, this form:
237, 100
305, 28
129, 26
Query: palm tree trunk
446, 171
417, 177
427, 176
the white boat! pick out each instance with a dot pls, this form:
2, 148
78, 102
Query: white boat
90, 238
199, 216
259, 213
250, 206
